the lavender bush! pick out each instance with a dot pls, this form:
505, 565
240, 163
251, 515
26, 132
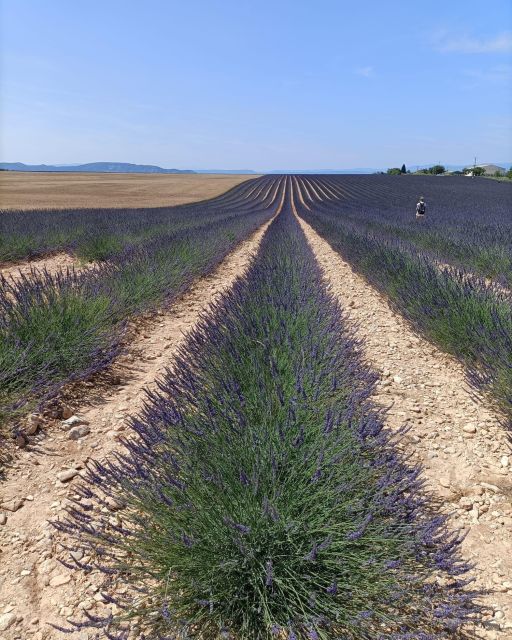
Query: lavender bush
259, 495
459, 312
100, 234
54, 329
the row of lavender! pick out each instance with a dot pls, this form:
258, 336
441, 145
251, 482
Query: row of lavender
468, 222
459, 312
59, 328
258, 495
99, 234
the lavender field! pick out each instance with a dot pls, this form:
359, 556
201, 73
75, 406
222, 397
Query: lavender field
251, 483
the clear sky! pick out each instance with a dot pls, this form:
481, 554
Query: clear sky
323, 84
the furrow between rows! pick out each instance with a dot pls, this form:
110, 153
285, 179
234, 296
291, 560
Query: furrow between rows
34, 587
460, 443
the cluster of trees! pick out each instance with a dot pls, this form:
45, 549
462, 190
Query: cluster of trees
395, 171
439, 169
435, 170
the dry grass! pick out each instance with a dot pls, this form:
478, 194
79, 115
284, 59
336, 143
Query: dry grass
26, 190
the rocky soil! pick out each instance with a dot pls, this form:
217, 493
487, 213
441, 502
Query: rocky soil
464, 450
35, 589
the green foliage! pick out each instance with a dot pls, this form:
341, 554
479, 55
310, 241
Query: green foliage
437, 169
261, 498
61, 333
395, 171
98, 248
476, 171
403, 169
470, 322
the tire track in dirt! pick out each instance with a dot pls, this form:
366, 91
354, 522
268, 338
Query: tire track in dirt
463, 449
35, 589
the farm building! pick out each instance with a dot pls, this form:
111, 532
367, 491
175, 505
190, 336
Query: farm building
490, 169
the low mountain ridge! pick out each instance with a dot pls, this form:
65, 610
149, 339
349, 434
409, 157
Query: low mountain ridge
92, 167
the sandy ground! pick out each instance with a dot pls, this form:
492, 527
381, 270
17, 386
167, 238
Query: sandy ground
34, 588
465, 452
31, 190
53, 264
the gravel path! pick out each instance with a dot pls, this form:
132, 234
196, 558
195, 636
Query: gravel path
35, 589
465, 452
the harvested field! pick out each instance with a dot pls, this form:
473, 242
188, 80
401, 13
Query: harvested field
284, 445
34, 190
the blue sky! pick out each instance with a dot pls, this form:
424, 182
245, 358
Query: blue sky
292, 84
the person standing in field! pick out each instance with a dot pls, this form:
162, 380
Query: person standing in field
420, 208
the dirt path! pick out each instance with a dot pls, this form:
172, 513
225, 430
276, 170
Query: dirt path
53, 264
460, 444
34, 588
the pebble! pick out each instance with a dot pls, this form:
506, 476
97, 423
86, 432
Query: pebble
397, 379
491, 487
7, 620
3, 518
34, 421
65, 476
74, 421
75, 433
444, 482
469, 428
13, 505
58, 581
504, 461
466, 503
67, 412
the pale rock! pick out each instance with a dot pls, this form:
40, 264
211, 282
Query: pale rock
469, 428
444, 482
34, 421
75, 433
113, 504
7, 620
74, 421
397, 379
491, 487
3, 518
77, 555
466, 503
13, 504
58, 581
504, 461
68, 474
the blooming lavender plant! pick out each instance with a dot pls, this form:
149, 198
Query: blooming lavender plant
60, 328
261, 496
458, 311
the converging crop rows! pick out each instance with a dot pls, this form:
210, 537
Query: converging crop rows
258, 494
261, 496
64, 327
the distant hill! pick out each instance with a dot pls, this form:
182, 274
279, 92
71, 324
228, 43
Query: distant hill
93, 167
